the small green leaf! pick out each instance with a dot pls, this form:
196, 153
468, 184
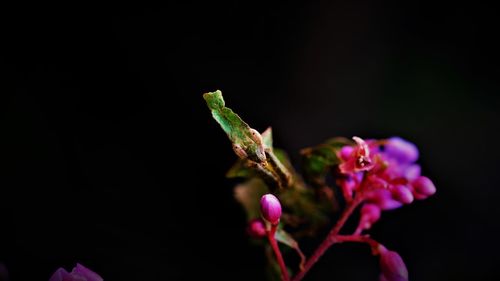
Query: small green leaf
285, 238
240, 169
249, 194
267, 138
318, 160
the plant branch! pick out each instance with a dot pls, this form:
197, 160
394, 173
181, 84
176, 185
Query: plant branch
277, 252
330, 238
374, 245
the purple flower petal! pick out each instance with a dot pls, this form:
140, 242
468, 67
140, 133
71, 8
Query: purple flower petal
423, 187
88, 274
402, 194
79, 273
370, 213
60, 275
383, 199
412, 172
392, 266
402, 150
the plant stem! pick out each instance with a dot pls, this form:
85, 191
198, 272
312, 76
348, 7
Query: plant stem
330, 238
277, 252
374, 245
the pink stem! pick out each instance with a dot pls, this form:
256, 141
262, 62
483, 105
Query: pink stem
330, 238
277, 252
374, 245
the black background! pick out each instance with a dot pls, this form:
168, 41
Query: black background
110, 156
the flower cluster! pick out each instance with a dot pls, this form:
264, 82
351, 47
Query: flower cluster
372, 175
383, 174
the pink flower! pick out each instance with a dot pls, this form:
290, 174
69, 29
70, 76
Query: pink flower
270, 208
355, 159
383, 199
402, 194
370, 213
79, 273
423, 187
256, 228
392, 266
384, 171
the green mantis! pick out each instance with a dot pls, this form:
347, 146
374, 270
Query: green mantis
250, 146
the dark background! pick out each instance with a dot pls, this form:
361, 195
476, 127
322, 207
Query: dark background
110, 157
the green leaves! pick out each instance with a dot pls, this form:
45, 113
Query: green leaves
248, 194
285, 238
319, 159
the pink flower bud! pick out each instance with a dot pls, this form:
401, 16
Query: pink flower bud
402, 194
392, 266
256, 228
345, 152
370, 213
270, 208
78, 273
383, 199
423, 187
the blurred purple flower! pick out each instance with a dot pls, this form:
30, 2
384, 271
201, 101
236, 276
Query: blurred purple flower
401, 150
392, 266
79, 273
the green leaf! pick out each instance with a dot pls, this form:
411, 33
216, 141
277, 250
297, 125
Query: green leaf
240, 169
246, 141
285, 238
267, 138
318, 160
249, 194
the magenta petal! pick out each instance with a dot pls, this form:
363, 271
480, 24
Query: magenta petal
401, 150
256, 228
88, 274
412, 172
370, 213
60, 275
383, 199
270, 208
423, 187
345, 152
392, 266
402, 194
